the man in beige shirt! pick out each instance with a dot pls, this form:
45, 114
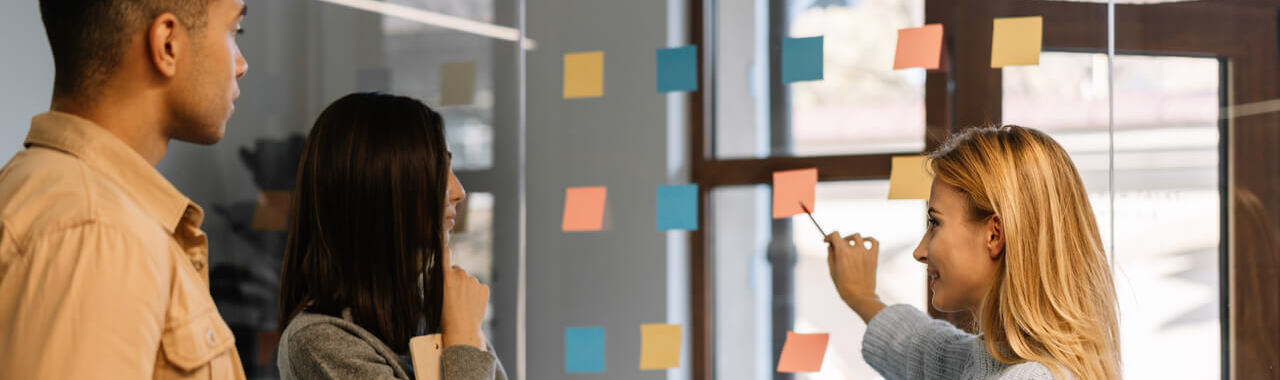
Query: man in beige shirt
103, 266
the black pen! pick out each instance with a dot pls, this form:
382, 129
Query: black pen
815, 221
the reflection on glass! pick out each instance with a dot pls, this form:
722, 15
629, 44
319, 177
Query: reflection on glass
414, 53
1167, 199
740, 235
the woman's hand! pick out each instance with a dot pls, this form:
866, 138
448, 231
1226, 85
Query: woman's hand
853, 270
465, 300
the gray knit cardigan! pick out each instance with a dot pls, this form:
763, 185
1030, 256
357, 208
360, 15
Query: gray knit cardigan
318, 346
902, 343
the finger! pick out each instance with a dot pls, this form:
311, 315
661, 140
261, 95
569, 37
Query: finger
832, 237
856, 239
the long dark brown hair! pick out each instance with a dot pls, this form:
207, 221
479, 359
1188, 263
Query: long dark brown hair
367, 218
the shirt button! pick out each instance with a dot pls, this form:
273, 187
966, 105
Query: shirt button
209, 336
198, 265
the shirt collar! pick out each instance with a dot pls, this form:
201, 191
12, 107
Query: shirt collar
108, 155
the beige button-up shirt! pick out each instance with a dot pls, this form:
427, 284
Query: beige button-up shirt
103, 266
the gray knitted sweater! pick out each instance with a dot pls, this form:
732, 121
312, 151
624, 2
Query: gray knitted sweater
903, 343
318, 346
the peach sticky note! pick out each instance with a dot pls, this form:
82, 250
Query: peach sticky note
802, 352
272, 213
1016, 41
659, 346
584, 208
919, 47
584, 74
790, 188
908, 178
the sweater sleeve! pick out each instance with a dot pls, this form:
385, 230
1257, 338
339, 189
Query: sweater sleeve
470, 363
902, 342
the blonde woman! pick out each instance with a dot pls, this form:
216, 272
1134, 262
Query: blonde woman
1012, 239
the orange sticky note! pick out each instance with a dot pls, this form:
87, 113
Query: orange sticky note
908, 178
584, 74
919, 47
792, 187
584, 208
803, 352
1016, 41
272, 213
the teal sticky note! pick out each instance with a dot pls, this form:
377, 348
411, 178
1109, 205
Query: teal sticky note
801, 59
584, 349
678, 207
678, 69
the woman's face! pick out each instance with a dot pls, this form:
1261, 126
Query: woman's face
962, 254
454, 195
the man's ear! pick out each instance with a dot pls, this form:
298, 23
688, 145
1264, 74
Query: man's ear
995, 237
164, 45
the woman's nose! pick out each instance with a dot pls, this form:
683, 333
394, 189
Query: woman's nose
921, 254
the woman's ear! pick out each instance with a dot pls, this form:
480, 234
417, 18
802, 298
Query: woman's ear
995, 237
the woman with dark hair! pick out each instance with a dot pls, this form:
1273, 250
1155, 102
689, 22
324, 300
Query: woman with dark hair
367, 263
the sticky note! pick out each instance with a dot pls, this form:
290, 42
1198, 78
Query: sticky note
801, 59
678, 69
802, 352
584, 74
790, 188
584, 208
1016, 41
584, 349
457, 83
908, 178
919, 47
659, 346
678, 207
272, 212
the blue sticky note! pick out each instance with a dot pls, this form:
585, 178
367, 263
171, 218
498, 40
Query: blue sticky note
678, 69
801, 59
678, 207
584, 349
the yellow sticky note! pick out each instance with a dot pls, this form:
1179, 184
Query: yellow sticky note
660, 346
1016, 41
584, 74
909, 179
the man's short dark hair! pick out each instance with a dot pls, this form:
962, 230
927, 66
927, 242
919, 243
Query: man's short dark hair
87, 36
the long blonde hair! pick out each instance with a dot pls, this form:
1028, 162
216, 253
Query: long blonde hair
1052, 300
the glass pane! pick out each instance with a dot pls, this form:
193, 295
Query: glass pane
861, 106
855, 207
1167, 199
739, 238
741, 234
742, 85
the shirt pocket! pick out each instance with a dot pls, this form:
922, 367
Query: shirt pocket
199, 348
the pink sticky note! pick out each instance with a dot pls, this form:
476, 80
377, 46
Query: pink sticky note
790, 188
803, 352
919, 47
584, 208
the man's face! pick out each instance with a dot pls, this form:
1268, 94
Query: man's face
206, 83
